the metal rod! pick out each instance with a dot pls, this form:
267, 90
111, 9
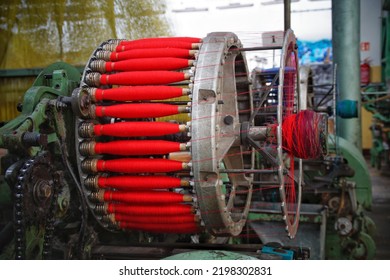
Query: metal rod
321, 85
264, 97
265, 48
324, 97
262, 151
258, 133
287, 15
267, 183
373, 93
171, 102
183, 83
257, 171
334, 88
265, 114
125, 248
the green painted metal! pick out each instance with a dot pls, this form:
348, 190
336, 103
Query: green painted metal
56, 80
357, 162
210, 255
34, 245
358, 245
377, 102
5, 193
27, 72
346, 55
252, 216
349, 248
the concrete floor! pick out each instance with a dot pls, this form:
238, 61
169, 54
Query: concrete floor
381, 211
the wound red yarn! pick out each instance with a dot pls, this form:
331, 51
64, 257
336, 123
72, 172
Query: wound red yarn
155, 43
162, 39
301, 135
139, 182
150, 53
137, 147
135, 129
137, 110
137, 93
142, 78
144, 197
139, 165
148, 64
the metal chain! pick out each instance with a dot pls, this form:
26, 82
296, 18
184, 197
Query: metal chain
50, 219
20, 223
19, 205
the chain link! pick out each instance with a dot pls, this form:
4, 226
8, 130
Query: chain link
19, 208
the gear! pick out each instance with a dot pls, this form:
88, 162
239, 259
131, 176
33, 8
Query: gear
35, 197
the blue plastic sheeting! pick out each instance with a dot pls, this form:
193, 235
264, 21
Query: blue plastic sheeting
314, 52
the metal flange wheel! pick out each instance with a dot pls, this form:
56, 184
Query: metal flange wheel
288, 91
222, 101
276, 99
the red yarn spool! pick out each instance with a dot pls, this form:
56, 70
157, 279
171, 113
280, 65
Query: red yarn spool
137, 93
150, 53
137, 110
150, 210
162, 228
181, 219
145, 197
142, 78
137, 147
162, 39
148, 64
139, 165
153, 43
135, 129
139, 182
301, 135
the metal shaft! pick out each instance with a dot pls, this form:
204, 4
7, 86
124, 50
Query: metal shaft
287, 14
346, 54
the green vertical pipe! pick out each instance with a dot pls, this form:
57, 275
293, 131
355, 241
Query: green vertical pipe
346, 54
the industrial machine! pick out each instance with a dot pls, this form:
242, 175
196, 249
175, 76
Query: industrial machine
337, 189
169, 145
376, 101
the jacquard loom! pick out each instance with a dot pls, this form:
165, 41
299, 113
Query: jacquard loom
163, 146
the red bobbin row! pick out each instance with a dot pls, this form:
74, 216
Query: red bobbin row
151, 53
137, 110
139, 165
138, 182
143, 78
145, 197
148, 64
135, 129
137, 147
137, 93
